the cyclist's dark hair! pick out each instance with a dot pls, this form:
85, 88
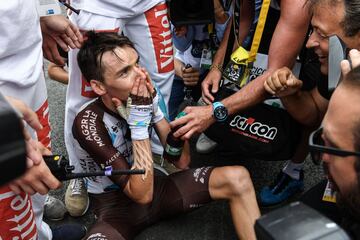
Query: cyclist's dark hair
96, 44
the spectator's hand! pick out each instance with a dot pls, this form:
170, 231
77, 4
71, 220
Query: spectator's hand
59, 30
196, 120
282, 83
38, 178
190, 76
34, 149
354, 56
212, 82
180, 31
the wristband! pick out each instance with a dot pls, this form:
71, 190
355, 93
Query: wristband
157, 112
138, 118
139, 121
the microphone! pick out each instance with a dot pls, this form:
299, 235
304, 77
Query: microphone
60, 168
77, 11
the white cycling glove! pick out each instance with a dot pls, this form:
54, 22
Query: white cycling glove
157, 113
137, 113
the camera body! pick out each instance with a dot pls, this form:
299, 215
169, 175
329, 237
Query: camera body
297, 221
191, 12
12, 143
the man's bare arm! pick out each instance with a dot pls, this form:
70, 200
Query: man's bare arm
313, 107
140, 188
162, 129
286, 43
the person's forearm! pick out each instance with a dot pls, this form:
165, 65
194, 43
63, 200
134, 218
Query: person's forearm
250, 95
247, 13
306, 107
57, 73
140, 187
289, 34
220, 15
220, 52
162, 129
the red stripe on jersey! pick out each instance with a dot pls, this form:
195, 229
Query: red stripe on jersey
44, 134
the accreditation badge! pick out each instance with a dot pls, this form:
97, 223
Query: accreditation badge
206, 58
329, 193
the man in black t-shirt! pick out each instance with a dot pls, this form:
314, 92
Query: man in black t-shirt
328, 18
325, 23
254, 130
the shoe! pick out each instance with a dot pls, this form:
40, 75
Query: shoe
205, 144
159, 171
69, 232
76, 198
54, 209
282, 189
164, 166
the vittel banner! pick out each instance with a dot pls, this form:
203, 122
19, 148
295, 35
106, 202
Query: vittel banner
162, 38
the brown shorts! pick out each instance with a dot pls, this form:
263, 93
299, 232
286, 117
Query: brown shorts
118, 217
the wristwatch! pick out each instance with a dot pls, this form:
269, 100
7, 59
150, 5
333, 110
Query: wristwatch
219, 111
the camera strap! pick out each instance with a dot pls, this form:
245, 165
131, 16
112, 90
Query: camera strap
209, 50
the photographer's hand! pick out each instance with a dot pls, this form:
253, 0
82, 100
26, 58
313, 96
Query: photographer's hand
34, 149
37, 179
347, 65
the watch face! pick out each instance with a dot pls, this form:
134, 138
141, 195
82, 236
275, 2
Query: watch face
220, 113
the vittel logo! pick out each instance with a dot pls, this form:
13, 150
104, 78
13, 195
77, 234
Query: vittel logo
255, 128
161, 37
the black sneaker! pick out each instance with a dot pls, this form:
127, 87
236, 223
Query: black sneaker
71, 231
282, 189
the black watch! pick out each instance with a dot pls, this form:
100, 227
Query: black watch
219, 111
